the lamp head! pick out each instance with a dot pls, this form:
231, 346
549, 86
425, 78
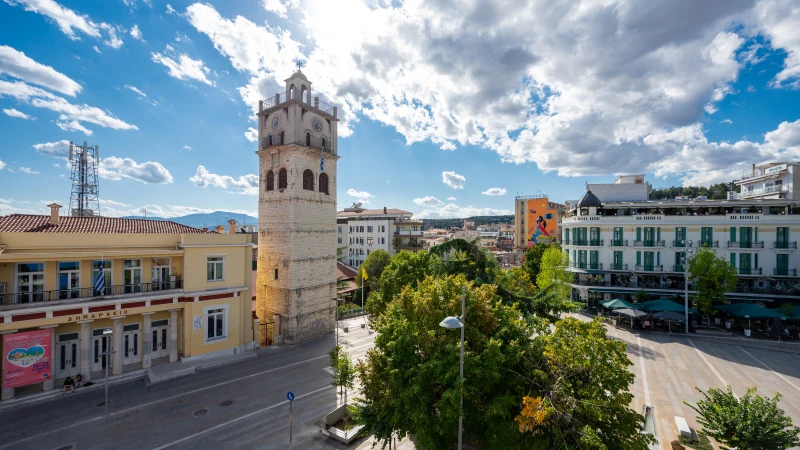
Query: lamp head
451, 323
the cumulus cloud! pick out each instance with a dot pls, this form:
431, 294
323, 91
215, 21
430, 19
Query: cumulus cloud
59, 149
18, 114
451, 199
248, 184
428, 201
18, 65
452, 211
113, 41
251, 134
2, 165
186, 147
67, 123
360, 196
453, 180
182, 67
114, 168
136, 33
28, 170
67, 20
494, 191
279, 7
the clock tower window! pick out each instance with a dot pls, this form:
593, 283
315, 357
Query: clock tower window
270, 180
323, 183
282, 181
308, 139
323, 144
308, 180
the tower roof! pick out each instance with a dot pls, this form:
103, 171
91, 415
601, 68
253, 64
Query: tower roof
588, 200
297, 74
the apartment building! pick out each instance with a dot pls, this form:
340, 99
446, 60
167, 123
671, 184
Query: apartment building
618, 248
536, 219
770, 181
169, 291
363, 231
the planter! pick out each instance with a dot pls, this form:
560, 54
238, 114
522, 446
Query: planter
717, 321
326, 425
345, 329
363, 325
728, 324
747, 333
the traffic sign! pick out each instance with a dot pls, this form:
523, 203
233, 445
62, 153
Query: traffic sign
290, 396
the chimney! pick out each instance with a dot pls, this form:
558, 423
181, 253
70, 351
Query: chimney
220, 229
54, 217
384, 210
232, 226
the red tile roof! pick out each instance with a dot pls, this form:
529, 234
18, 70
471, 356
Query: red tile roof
345, 271
29, 223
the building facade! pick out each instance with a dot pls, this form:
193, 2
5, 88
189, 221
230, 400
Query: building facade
363, 231
298, 152
770, 181
170, 291
536, 219
619, 248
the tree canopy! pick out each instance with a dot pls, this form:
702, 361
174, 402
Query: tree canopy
375, 264
533, 259
713, 277
553, 270
717, 191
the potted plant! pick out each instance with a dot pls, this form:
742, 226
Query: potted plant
728, 324
747, 332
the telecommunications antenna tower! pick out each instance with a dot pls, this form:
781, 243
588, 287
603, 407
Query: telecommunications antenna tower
84, 199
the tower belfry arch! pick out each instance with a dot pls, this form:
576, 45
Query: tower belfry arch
298, 153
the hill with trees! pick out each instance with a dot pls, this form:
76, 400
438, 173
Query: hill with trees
428, 224
717, 191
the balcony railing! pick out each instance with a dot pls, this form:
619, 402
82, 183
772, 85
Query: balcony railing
776, 244
408, 233
749, 271
712, 244
677, 243
83, 293
648, 243
784, 272
580, 242
595, 242
590, 266
746, 244
679, 268
613, 266
619, 243
649, 268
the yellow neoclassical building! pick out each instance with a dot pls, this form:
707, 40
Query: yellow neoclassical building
170, 291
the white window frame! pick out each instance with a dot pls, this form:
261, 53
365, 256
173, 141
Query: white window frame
225, 319
215, 262
17, 274
109, 280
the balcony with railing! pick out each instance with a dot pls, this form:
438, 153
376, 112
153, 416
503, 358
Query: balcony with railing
408, 232
649, 268
580, 242
711, 244
781, 188
679, 268
648, 243
282, 97
746, 244
784, 272
595, 243
619, 242
679, 243
749, 271
586, 266
89, 293
618, 267
784, 245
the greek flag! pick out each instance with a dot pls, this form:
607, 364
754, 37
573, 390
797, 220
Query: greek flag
322, 162
100, 281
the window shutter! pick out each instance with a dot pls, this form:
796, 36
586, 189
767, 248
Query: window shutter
638, 234
733, 259
639, 258
658, 258
733, 236
658, 233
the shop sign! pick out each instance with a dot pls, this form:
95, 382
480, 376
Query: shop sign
97, 315
27, 358
775, 169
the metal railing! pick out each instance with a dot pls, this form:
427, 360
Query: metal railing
618, 267
648, 243
746, 244
785, 272
82, 293
649, 268
590, 266
408, 232
712, 244
679, 268
595, 242
580, 242
566, 242
619, 243
776, 244
679, 243
750, 271
324, 106
275, 100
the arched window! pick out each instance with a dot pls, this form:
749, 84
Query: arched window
308, 180
269, 140
291, 92
270, 180
281, 137
282, 182
323, 182
308, 139
323, 143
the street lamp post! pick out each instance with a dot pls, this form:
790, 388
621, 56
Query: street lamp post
108, 333
451, 323
686, 244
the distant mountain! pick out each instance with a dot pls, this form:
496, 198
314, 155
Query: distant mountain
207, 220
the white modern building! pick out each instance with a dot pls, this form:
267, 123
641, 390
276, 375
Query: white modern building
624, 188
362, 231
617, 248
770, 181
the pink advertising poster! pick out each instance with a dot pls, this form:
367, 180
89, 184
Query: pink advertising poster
27, 358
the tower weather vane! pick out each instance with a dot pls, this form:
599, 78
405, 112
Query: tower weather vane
299, 63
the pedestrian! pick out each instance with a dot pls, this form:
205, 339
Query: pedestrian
68, 383
646, 325
78, 381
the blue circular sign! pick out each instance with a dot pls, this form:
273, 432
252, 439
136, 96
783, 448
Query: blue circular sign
290, 396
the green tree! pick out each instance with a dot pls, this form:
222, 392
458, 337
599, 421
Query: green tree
515, 287
517, 281
580, 391
344, 371
713, 277
787, 308
375, 264
751, 422
641, 296
553, 270
533, 259
404, 269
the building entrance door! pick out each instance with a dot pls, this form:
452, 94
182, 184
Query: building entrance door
160, 339
67, 358
130, 344
100, 345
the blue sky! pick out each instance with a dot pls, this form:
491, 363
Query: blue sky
440, 108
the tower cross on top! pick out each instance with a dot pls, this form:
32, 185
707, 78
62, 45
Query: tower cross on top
299, 63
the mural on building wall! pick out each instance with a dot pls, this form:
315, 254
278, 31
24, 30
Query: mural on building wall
27, 359
541, 221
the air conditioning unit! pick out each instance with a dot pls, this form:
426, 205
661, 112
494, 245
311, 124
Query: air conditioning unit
731, 195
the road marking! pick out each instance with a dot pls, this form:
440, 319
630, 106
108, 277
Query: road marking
703, 357
192, 436
144, 405
770, 368
644, 372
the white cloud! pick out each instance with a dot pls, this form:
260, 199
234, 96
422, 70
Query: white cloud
247, 183
136, 90
251, 134
428, 201
114, 168
494, 191
136, 33
186, 147
69, 113
170, 9
94, 47
777, 20
18, 65
59, 149
360, 196
728, 121
28, 170
183, 67
2, 165
65, 18
132, 3
451, 199
113, 41
279, 7
453, 180
18, 114
68, 124
451, 211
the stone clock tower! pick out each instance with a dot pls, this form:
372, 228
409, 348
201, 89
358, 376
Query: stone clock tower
297, 151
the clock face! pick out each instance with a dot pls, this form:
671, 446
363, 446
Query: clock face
316, 125
275, 123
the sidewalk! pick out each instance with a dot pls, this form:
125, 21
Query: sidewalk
168, 371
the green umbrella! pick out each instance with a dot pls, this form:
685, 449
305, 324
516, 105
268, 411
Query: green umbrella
751, 311
616, 303
662, 305
795, 311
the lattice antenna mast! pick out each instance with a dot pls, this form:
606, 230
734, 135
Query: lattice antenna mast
84, 200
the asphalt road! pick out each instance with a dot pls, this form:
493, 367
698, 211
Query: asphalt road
241, 405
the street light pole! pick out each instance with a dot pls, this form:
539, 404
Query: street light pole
108, 333
686, 244
452, 323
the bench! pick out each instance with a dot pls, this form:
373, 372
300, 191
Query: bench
683, 427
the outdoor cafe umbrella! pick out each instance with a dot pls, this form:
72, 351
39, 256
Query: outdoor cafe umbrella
750, 311
670, 316
662, 305
630, 312
795, 311
616, 303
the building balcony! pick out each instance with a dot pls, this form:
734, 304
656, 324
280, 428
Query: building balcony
649, 268
619, 243
580, 242
679, 244
784, 272
679, 268
784, 244
595, 242
87, 293
408, 233
618, 267
712, 244
751, 271
649, 243
747, 244
586, 266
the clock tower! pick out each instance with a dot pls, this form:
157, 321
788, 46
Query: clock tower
297, 151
